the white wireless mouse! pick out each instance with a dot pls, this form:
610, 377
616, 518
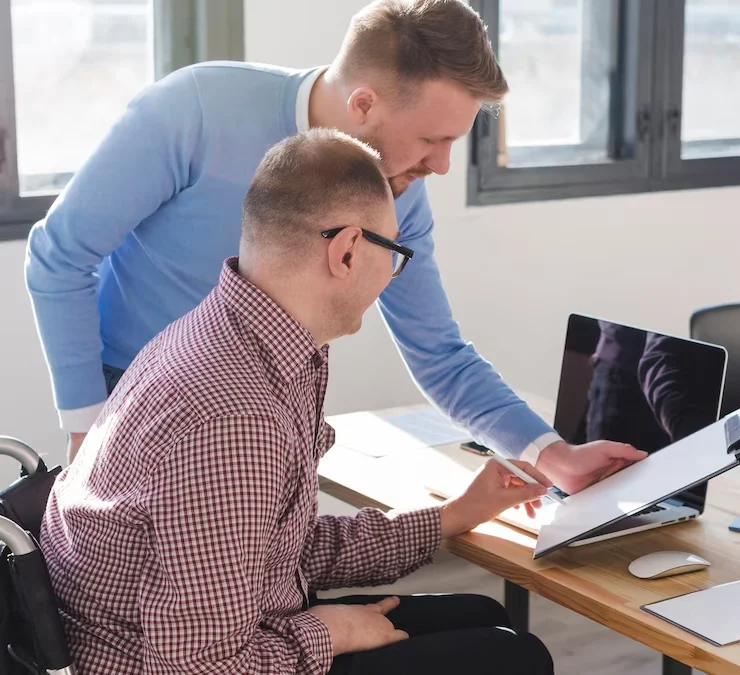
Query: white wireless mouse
666, 564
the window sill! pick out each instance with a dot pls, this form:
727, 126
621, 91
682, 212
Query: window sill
14, 231
489, 197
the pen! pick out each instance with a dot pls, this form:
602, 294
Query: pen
524, 476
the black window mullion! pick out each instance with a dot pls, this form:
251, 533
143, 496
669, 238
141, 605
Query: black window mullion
640, 127
8, 156
668, 79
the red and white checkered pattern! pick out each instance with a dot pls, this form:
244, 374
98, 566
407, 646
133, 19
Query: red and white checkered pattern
184, 537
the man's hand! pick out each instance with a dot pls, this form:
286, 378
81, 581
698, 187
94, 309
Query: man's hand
356, 628
574, 467
73, 445
493, 490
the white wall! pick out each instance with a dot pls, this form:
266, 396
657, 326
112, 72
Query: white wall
513, 273
26, 407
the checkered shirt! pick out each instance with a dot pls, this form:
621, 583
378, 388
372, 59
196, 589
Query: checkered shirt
184, 537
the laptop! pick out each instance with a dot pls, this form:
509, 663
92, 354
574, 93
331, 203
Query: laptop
627, 384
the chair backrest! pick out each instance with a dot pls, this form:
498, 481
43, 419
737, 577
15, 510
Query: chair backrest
720, 325
24, 501
31, 634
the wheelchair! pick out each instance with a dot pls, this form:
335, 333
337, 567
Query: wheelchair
32, 638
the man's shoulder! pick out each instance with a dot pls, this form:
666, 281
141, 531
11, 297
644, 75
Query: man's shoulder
236, 80
237, 100
240, 70
216, 365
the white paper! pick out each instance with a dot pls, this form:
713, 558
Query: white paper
711, 614
378, 436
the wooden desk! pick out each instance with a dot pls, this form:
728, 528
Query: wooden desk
592, 580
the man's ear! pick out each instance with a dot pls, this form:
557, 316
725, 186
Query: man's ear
342, 252
361, 103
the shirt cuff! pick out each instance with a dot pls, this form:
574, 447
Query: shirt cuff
314, 640
532, 451
80, 420
419, 537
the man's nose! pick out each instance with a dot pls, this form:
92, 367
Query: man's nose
439, 160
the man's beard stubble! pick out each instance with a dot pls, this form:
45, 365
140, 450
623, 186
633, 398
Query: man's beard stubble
400, 182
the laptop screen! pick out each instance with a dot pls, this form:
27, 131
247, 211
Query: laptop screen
625, 384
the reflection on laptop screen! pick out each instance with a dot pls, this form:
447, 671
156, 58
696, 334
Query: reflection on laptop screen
626, 384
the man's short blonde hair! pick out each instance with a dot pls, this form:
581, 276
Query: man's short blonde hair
306, 182
413, 41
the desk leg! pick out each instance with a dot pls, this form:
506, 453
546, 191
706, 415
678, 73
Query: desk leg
516, 601
673, 667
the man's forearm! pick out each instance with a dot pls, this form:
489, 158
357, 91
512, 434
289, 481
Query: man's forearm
449, 370
138, 167
68, 322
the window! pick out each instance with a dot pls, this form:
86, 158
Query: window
609, 96
711, 61
68, 68
556, 68
96, 57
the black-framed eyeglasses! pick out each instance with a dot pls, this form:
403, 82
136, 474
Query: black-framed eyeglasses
401, 254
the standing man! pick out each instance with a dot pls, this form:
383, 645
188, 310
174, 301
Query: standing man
138, 237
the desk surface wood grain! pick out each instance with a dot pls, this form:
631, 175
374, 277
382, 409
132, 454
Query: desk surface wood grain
592, 580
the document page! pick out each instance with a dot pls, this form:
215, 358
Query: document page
378, 436
711, 614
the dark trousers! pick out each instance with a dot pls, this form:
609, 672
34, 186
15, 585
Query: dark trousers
468, 634
112, 376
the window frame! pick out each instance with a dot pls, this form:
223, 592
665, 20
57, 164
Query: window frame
15, 211
648, 94
185, 32
671, 170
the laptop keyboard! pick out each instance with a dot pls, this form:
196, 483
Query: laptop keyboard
652, 509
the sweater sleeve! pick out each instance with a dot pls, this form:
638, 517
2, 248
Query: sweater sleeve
448, 369
142, 163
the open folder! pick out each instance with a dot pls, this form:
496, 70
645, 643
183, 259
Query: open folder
676, 468
711, 614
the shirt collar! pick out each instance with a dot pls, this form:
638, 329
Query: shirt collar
303, 99
289, 343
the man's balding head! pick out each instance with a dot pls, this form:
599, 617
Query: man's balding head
316, 180
319, 180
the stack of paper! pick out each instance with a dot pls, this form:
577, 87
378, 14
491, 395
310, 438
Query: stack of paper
378, 436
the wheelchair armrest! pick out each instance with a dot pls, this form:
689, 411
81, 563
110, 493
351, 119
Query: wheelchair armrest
21, 452
36, 598
15, 537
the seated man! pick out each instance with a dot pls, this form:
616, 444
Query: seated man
185, 539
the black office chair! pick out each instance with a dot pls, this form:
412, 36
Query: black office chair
32, 638
720, 325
